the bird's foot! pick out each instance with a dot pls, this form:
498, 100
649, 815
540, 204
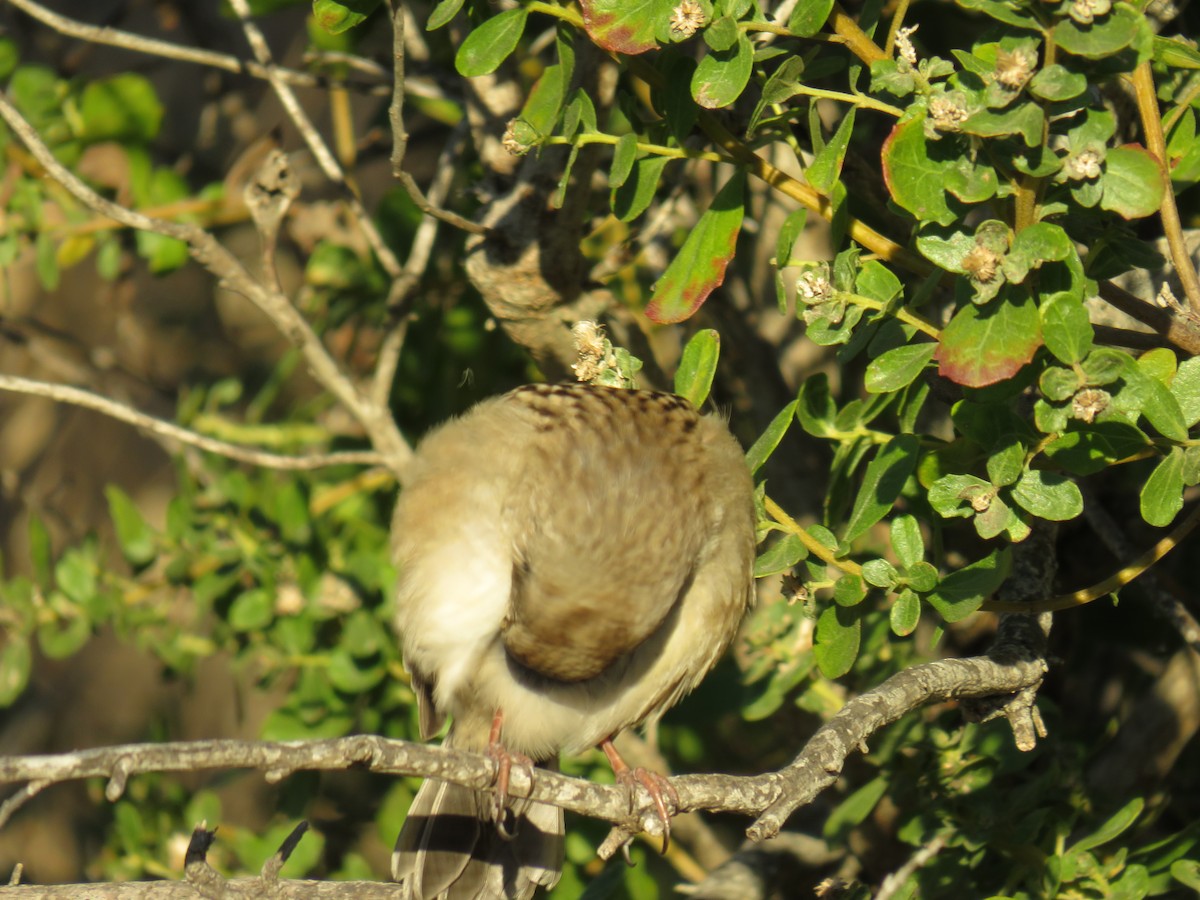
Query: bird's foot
657, 786
504, 763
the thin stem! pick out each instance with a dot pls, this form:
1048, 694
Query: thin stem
582, 140
902, 313
1114, 582
897, 21
316, 144
1152, 127
815, 547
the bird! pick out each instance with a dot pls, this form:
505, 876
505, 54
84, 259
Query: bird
572, 560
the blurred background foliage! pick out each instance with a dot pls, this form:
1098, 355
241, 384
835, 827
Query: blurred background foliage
148, 596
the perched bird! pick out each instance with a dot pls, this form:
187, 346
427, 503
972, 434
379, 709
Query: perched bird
572, 559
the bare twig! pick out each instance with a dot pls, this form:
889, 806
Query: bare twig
316, 144
820, 763
125, 40
419, 255
229, 270
427, 205
169, 430
895, 881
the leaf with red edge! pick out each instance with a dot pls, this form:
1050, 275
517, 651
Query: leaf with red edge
986, 344
700, 264
916, 180
625, 26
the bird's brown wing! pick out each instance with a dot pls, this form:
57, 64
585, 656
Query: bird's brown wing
612, 520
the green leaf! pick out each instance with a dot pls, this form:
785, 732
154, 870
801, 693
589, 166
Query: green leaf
809, 16
838, 633
961, 593
984, 345
16, 661
46, 261
815, 408
336, 16
121, 107
921, 576
882, 483
1133, 183
1026, 120
137, 539
897, 368
252, 610
349, 676
781, 556
1048, 495
915, 181
1185, 387
849, 590
443, 14
1187, 873
762, 449
722, 33
75, 575
622, 26
1066, 329
64, 637
880, 573
1040, 242
698, 366
700, 264
1088, 449
789, 231
624, 156
948, 494
9, 57
1057, 83
1161, 409
1120, 822
826, 167
1162, 494
905, 613
852, 811
1104, 37
907, 543
491, 43
632, 198
541, 110
1006, 462
721, 76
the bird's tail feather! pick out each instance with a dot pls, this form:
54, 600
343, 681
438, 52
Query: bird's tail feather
449, 849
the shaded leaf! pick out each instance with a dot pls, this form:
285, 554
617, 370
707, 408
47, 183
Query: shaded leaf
837, 637
961, 593
882, 483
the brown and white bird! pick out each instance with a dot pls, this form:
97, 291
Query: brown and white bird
573, 559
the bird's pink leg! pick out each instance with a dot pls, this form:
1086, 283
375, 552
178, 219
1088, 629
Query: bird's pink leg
504, 763
655, 784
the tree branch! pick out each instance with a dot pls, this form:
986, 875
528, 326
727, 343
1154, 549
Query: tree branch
377, 421
774, 795
172, 432
125, 40
316, 144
